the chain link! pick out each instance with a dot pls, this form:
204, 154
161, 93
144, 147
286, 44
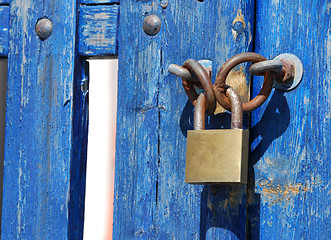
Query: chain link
193, 74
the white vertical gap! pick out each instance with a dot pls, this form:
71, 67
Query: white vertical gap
101, 150
3, 90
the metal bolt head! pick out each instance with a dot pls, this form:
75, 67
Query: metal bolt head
44, 28
297, 72
152, 25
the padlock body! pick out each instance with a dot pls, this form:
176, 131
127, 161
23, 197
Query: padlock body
217, 156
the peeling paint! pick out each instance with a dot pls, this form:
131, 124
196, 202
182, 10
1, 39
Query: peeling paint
98, 30
239, 18
210, 205
275, 194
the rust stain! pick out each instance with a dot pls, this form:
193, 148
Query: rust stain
225, 204
239, 18
237, 80
210, 205
282, 193
233, 200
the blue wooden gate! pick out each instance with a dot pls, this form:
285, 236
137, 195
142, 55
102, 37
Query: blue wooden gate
288, 194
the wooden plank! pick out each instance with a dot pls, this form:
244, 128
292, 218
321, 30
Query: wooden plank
46, 124
98, 26
3, 90
290, 190
151, 199
137, 126
203, 30
98, 1
4, 2
4, 22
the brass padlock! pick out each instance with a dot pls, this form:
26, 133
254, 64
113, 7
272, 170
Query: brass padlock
217, 156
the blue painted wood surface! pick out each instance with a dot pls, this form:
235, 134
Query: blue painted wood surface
288, 191
4, 23
46, 122
3, 90
291, 142
151, 199
99, 1
98, 27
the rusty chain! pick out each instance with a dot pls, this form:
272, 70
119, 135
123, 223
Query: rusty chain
205, 81
236, 109
219, 85
193, 74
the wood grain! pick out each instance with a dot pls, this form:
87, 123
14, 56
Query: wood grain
98, 27
46, 123
290, 135
137, 125
4, 23
151, 199
4, 2
98, 1
46, 120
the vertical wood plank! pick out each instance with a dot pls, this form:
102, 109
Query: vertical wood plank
290, 194
4, 22
151, 199
3, 90
198, 30
137, 124
46, 125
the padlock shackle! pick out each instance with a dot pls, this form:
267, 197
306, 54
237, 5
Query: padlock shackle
200, 112
236, 108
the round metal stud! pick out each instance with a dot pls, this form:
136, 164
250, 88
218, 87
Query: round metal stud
298, 72
44, 28
152, 25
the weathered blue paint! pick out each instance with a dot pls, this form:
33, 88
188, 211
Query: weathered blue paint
98, 27
151, 199
3, 90
4, 23
4, 2
137, 126
46, 120
44, 172
291, 142
99, 1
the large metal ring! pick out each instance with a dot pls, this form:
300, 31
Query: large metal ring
220, 86
205, 81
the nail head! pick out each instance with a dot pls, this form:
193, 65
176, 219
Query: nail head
152, 25
44, 28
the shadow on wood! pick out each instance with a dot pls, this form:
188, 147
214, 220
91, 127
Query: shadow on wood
234, 211
223, 211
272, 125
